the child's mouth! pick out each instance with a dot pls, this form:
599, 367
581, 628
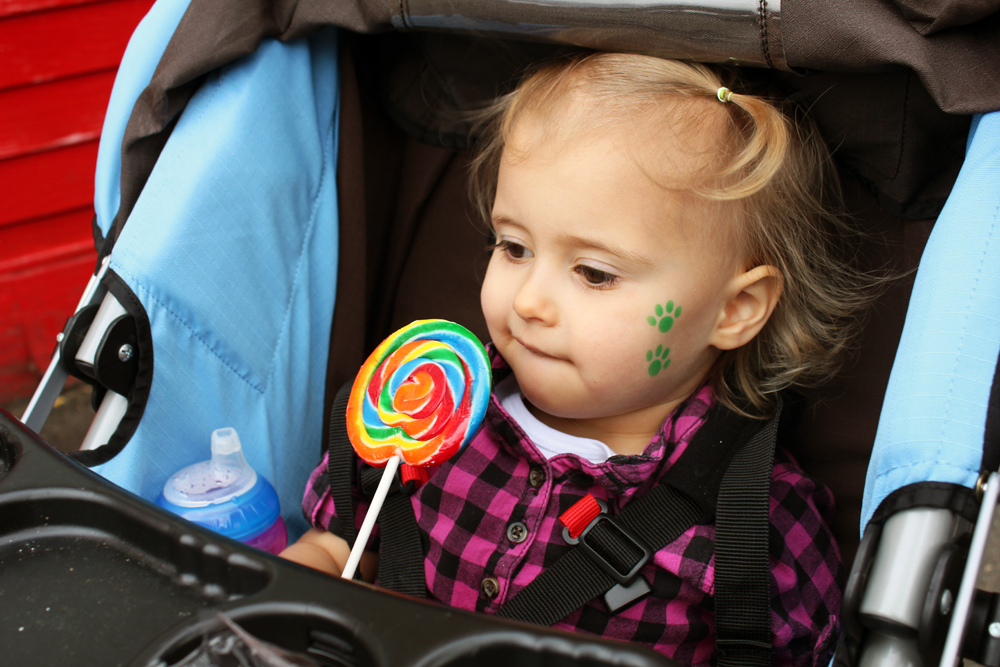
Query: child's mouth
534, 350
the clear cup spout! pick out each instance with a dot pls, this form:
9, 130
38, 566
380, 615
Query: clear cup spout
227, 453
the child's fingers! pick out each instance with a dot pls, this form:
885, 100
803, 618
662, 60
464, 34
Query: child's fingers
326, 552
368, 566
311, 555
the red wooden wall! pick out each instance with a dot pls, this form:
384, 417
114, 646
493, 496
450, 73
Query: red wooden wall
58, 60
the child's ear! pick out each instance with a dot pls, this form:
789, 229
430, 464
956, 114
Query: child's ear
755, 293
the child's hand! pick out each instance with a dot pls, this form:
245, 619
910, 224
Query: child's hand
328, 553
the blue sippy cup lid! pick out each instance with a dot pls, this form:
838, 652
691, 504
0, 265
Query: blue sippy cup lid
223, 493
226, 475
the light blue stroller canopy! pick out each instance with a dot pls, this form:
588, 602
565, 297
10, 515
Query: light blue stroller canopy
232, 251
933, 423
935, 453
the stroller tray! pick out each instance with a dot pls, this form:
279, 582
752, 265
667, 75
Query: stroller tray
91, 574
72, 562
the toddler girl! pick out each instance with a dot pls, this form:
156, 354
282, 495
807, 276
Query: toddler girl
663, 245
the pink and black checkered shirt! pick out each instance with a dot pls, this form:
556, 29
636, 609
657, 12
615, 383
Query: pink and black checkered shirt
464, 512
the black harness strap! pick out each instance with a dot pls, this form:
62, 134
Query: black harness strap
742, 567
401, 551
340, 465
576, 579
725, 475
401, 556
687, 494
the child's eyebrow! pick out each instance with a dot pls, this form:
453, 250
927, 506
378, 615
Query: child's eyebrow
585, 243
610, 248
504, 220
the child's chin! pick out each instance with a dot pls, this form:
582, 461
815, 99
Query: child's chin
560, 409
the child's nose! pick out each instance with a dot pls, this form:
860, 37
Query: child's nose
534, 299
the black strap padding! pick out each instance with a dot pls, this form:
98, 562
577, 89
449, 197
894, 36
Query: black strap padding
958, 498
401, 556
698, 473
686, 495
340, 465
742, 566
401, 552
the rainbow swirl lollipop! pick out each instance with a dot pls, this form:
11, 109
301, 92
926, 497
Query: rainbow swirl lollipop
422, 394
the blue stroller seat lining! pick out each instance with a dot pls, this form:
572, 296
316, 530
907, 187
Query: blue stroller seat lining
934, 414
144, 50
232, 250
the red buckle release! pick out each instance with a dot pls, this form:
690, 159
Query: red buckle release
419, 476
579, 516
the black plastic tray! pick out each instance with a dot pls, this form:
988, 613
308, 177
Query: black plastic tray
93, 575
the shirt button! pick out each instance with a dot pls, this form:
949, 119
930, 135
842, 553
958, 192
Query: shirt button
490, 587
517, 532
536, 477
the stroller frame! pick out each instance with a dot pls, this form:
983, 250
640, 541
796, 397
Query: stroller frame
882, 565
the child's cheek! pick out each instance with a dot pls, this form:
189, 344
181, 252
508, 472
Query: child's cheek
663, 318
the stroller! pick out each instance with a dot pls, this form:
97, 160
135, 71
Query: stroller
277, 185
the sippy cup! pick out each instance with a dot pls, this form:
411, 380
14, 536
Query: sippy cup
228, 496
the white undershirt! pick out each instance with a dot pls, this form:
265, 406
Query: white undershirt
549, 441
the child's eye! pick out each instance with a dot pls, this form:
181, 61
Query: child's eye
513, 250
595, 277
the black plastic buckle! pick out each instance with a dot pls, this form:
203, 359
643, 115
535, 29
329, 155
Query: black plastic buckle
630, 586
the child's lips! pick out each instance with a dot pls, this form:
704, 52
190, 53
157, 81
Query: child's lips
534, 350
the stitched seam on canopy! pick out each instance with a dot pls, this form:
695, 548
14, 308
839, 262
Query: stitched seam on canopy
965, 324
764, 40
902, 132
922, 464
402, 15
302, 249
138, 287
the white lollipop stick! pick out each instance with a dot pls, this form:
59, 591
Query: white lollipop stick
388, 475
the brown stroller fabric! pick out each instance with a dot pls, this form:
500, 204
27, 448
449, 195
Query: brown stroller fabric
412, 247
868, 39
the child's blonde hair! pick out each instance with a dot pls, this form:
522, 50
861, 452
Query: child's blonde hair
780, 177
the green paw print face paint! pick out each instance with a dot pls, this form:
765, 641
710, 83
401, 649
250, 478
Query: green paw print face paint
665, 316
664, 319
658, 361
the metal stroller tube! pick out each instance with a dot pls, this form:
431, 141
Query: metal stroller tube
910, 542
97, 346
113, 405
56, 374
900, 577
106, 421
921, 606
953, 644
747, 32
109, 311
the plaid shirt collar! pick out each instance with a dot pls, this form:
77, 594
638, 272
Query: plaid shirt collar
620, 475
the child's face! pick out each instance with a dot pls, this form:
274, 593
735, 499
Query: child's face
606, 291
